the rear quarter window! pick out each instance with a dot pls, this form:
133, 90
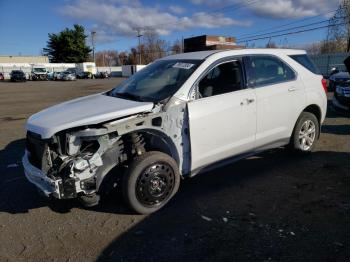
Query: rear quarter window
267, 70
306, 62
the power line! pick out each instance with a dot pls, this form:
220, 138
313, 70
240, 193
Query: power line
284, 25
291, 33
287, 29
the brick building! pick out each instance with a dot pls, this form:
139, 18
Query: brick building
206, 42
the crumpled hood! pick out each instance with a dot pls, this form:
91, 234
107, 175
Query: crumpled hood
87, 110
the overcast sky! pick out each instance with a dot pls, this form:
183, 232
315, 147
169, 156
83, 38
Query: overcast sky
24, 25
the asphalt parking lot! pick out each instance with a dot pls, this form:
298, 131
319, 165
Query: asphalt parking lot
273, 207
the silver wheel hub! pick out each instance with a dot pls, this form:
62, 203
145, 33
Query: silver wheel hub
307, 135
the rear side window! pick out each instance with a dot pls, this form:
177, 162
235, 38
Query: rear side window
267, 70
305, 61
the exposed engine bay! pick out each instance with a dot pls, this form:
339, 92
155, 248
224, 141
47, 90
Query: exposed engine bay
80, 161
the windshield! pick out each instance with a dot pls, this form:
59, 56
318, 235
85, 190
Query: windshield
17, 72
157, 81
40, 70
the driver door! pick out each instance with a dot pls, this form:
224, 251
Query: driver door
222, 119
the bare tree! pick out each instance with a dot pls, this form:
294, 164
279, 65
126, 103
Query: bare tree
107, 58
338, 35
153, 47
133, 57
176, 47
123, 58
314, 48
271, 44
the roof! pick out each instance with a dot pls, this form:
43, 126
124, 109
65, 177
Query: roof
201, 55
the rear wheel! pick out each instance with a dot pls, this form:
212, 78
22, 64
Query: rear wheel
305, 133
150, 182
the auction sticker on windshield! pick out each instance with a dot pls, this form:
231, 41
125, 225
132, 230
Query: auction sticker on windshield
183, 65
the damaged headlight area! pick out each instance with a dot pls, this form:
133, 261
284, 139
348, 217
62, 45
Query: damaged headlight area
71, 160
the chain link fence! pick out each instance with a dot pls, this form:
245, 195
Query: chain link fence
326, 62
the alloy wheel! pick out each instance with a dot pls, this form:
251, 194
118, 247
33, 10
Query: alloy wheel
307, 135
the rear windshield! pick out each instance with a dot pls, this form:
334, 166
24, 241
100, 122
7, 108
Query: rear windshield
305, 61
17, 72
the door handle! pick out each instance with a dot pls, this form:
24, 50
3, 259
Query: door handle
247, 101
291, 89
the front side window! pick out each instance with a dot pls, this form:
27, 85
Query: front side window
224, 78
267, 70
157, 81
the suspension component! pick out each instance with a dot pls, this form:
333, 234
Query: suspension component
138, 144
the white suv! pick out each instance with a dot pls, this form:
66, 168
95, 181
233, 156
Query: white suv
178, 116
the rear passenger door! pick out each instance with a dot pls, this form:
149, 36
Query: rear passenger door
280, 98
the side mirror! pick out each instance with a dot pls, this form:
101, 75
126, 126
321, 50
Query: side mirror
334, 70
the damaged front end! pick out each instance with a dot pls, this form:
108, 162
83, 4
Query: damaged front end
75, 162
66, 164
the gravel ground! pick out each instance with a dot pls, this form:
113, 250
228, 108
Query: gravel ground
272, 207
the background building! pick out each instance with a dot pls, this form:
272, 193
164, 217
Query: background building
207, 42
24, 59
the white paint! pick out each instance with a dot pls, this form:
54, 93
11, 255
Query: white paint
83, 111
220, 126
278, 110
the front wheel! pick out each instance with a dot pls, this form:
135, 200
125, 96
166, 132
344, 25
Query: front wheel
150, 182
306, 133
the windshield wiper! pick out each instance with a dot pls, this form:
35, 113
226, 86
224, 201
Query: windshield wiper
128, 96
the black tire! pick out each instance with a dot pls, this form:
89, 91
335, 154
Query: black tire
150, 182
89, 200
297, 143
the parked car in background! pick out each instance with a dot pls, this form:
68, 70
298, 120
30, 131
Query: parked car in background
72, 70
39, 73
57, 75
50, 75
84, 75
337, 77
68, 76
2, 76
101, 75
179, 116
341, 98
18, 75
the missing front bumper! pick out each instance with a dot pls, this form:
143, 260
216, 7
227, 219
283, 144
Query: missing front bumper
47, 185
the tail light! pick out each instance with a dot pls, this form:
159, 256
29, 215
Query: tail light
324, 84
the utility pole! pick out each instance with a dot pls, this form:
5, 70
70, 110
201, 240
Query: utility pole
348, 48
347, 13
182, 45
93, 33
139, 37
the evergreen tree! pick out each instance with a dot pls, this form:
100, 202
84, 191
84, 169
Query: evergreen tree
68, 46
